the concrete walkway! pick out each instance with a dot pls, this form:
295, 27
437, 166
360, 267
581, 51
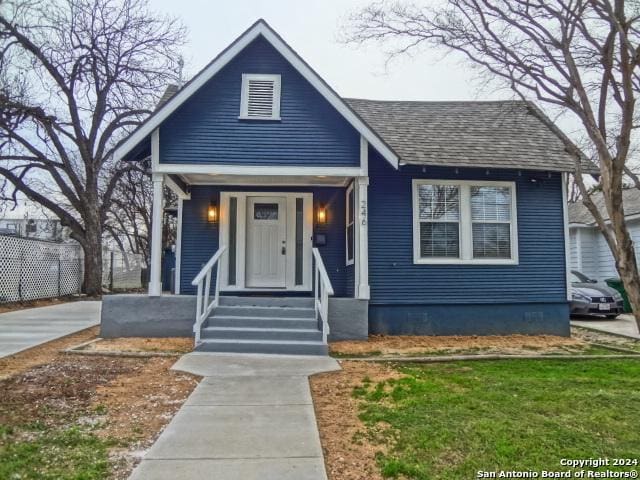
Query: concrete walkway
623, 325
250, 418
27, 328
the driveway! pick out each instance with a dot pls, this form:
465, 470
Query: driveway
27, 328
623, 325
250, 418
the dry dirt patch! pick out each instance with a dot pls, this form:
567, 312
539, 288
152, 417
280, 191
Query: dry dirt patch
348, 455
506, 344
127, 401
135, 344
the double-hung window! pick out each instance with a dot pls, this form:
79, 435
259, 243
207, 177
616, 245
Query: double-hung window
350, 225
462, 222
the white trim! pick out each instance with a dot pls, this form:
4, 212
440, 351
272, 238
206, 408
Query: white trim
362, 290
178, 246
212, 169
466, 247
364, 156
259, 28
244, 96
223, 239
579, 248
567, 246
155, 278
175, 188
263, 181
347, 208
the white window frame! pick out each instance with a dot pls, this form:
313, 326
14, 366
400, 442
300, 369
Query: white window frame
349, 261
244, 95
465, 224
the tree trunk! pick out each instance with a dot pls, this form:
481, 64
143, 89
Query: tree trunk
92, 259
626, 262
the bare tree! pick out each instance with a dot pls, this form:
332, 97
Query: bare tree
75, 76
128, 221
580, 56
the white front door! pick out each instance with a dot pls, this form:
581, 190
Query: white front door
266, 242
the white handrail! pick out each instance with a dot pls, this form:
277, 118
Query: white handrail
203, 282
322, 289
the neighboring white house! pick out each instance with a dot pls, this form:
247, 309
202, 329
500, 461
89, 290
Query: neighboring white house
590, 253
36, 228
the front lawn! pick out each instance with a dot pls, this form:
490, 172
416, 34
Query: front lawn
449, 421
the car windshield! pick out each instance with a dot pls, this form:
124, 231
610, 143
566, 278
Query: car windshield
577, 277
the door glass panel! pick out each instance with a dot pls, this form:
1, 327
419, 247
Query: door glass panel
233, 220
299, 239
265, 211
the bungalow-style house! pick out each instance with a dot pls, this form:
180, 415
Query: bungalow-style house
304, 216
589, 252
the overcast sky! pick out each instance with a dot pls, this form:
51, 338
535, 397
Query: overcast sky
312, 28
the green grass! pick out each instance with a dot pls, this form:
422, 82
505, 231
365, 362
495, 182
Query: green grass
43, 454
448, 421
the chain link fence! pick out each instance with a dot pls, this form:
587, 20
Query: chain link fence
34, 269
122, 271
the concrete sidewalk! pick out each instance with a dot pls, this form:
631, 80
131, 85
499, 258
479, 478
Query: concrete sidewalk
623, 325
250, 418
27, 328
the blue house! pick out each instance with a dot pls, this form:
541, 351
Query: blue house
304, 216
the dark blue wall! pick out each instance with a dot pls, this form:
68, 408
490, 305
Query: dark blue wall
200, 237
406, 298
206, 129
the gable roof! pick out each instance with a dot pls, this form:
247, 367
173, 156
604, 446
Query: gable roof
141, 135
579, 214
493, 134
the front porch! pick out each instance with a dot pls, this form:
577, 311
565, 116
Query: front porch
290, 267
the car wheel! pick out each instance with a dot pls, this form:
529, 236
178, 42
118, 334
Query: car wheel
611, 317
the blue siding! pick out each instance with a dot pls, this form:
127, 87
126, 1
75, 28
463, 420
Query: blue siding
206, 129
466, 299
394, 279
200, 238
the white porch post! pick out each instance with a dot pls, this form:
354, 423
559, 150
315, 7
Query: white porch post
362, 238
155, 284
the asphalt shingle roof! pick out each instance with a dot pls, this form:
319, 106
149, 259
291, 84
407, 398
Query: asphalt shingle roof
494, 134
578, 213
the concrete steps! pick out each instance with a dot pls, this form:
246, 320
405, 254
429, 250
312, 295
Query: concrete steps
280, 325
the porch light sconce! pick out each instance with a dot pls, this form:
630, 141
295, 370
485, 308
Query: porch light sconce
321, 214
212, 212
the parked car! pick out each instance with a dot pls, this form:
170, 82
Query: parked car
588, 297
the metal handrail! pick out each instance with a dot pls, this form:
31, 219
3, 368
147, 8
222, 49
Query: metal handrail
322, 289
203, 282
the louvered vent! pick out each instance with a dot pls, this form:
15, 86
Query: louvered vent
260, 97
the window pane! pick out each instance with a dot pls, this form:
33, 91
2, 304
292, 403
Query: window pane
491, 240
490, 204
439, 202
350, 208
350, 242
439, 240
265, 211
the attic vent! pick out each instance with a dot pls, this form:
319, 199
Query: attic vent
260, 97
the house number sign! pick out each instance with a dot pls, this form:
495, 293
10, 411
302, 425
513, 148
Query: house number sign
363, 211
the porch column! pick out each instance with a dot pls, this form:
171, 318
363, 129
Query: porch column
362, 239
155, 283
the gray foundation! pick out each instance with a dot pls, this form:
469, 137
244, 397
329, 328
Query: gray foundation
144, 316
348, 319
